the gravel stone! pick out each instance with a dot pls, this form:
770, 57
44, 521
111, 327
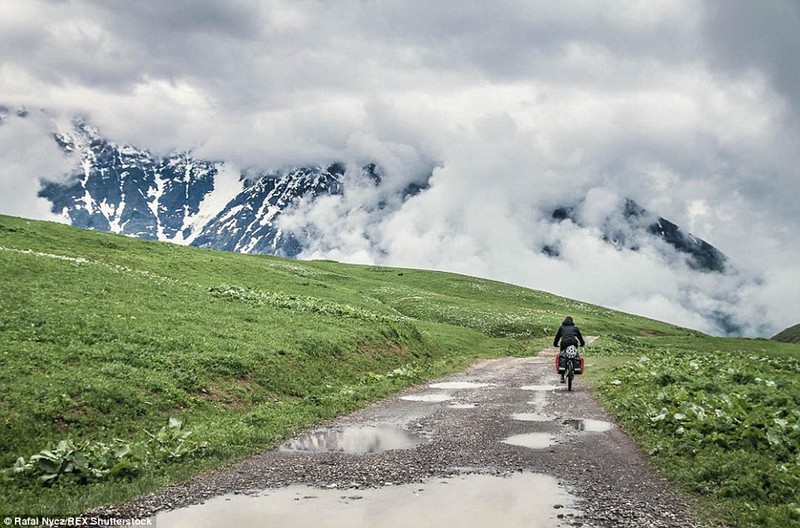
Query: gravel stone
613, 481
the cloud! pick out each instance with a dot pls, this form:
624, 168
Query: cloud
690, 108
28, 153
742, 35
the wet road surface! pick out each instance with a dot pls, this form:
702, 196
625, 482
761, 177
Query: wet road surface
502, 444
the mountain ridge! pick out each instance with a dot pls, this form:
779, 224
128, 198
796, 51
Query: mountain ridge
700, 255
127, 190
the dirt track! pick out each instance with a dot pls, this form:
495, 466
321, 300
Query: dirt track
603, 478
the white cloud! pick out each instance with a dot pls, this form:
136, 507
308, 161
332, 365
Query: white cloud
689, 108
28, 154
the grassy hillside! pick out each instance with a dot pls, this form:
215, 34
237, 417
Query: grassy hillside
104, 338
790, 335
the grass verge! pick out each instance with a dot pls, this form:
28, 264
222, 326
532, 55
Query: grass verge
718, 416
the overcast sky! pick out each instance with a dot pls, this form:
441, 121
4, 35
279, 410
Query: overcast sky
691, 108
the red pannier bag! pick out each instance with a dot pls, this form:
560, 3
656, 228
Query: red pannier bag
581, 371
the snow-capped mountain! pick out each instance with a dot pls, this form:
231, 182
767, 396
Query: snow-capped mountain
182, 199
126, 190
247, 224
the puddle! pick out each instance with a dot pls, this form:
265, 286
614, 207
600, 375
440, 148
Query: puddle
592, 426
532, 440
354, 440
526, 500
455, 385
531, 417
539, 399
427, 397
462, 406
539, 387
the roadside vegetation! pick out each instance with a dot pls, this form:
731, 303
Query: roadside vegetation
721, 417
126, 365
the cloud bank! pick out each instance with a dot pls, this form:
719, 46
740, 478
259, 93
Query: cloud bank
689, 108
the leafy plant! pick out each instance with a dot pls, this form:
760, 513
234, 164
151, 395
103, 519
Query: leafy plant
85, 462
727, 427
172, 442
299, 303
80, 463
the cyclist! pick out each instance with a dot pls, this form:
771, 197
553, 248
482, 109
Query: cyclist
569, 334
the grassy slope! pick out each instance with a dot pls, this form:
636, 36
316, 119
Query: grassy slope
104, 336
789, 335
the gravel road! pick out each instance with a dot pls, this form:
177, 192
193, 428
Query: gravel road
501, 418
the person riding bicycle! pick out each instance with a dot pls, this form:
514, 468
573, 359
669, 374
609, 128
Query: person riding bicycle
570, 335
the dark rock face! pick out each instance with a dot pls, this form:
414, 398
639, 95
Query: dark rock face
248, 224
126, 190
185, 182
625, 227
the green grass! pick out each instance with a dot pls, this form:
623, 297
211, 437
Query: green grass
721, 417
789, 335
104, 337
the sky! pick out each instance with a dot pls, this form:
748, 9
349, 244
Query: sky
690, 108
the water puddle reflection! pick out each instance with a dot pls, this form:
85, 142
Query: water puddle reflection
462, 406
592, 426
354, 440
456, 385
427, 397
526, 500
532, 440
539, 399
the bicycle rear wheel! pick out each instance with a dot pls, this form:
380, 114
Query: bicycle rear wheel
570, 375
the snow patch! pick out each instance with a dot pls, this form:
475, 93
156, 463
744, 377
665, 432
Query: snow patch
227, 185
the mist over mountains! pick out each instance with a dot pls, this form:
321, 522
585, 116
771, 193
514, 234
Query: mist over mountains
178, 198
292, 212
126, 190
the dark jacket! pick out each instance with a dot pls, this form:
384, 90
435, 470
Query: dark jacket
569, 334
